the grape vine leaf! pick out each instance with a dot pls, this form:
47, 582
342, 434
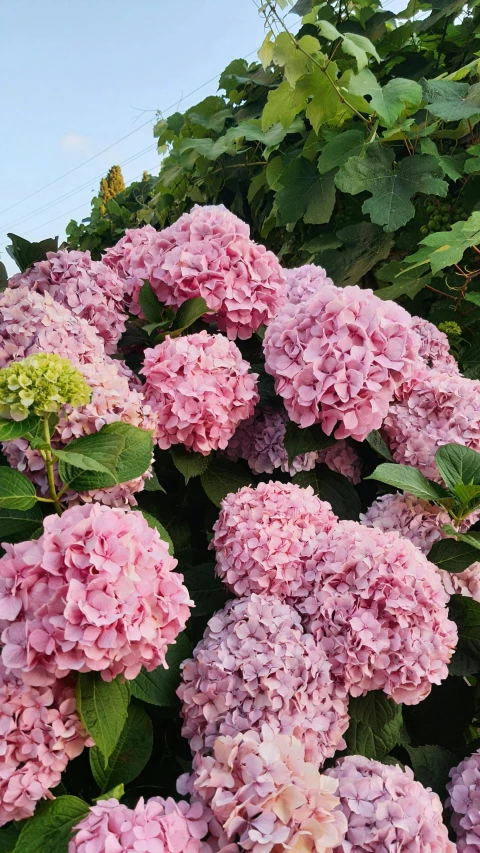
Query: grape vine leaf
305, 193
337, 151
444, 248
451, 101
391, 189
364, 244
388, 101
354, 45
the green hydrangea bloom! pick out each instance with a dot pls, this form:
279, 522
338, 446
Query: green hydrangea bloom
40, 384
450, 327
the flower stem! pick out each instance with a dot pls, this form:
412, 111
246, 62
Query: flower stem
49, 465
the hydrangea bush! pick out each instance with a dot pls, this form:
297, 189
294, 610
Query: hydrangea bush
240, 557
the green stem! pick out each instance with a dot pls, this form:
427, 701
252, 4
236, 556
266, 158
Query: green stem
47, 454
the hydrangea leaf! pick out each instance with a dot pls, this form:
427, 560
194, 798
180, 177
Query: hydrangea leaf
124, 450
131, 753
103, 707
297, 440
151, 307
16, 490
223, 477
82, 461
451, 101
205, 588
305, 193
159, 686
25, 254
465, 612
408, 480
156, 525
453, 556
458, 464
189, 464
333, 488
391, 188
431, 766
17, 525
189, 312
377, 443
445, 248
50, 829
375, 725
10, 430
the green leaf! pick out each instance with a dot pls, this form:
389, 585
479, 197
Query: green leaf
305, 193
159, 687
465, 612
103, 708
25, 253
125, 450
298, 441
131, 753
50, 828
150, 305
431, 766
473, 297
82, 461
365, 245
36, 433
156, 525
445, 248
9, 835
205, 588
324, 106
391, 188
189, 312
152, 484
17, 525
466, 494
223, 477
10, 430
451, 101
409, 480
377, 443
16, 490
397, 96
452, 556
405, 282
116, 793
458, 464
189, 464
283, 104
333, 488
338, 150
354, 45
375, 725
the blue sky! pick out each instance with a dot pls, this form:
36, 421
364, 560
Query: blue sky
80, 76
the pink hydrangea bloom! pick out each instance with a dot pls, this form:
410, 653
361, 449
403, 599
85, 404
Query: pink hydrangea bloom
116, 396
386, 809
155, 826
262, 538
89, 288
465, 583
96, 592
256, 665
342, 459
207, 252
265, 795
378, 608
40, 732
338, 357
434, 348
303, 282
200, 389
259, 440
30, 323
464, 800
436, 408
132, 259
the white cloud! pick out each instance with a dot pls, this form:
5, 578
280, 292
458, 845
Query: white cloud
76, 143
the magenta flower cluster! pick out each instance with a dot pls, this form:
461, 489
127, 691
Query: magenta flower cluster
338, 357
199, 388
40, 732
263, 792
256, 665
90, 289
155, 826
386, 809
437, 408
262, 538
96, 592
207, 252
464, 801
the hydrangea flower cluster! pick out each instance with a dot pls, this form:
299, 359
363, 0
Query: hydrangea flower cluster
342, 459
262, 539
32, 323
386, 809
464, 800
200, 389
115, 397
378, 608
436, 408
40, 733
259, 440
434, 348
303, 282
263, 792
155, 826
207, 252
256, 665
338, 357
96, 592
41, 383
132, 259
90, 289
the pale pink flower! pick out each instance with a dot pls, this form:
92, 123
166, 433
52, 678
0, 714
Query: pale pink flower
39, 732
97, 592
342, 459
338, 357
379, 609
155, 826
266, 796
387, 810
199, 388
303, 282
256, 665
464, 800
262, 538
259, 440
434, 350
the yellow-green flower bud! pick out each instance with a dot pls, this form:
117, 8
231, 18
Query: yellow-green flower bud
40, 384
450, 327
